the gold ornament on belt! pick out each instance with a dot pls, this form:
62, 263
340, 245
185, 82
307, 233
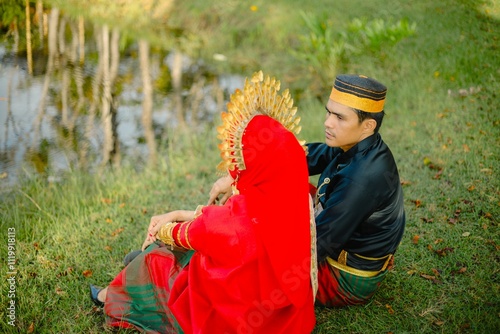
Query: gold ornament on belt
260, 96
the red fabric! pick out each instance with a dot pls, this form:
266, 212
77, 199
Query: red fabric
138, 296
250, 272
328, 287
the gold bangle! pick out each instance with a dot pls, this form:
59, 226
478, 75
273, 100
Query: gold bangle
165, 233
186, 235
179, 236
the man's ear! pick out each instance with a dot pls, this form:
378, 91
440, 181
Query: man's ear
369, 125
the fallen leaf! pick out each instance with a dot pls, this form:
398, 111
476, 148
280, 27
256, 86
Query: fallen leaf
411, 272
87, 273
117, 231
431, 278
122, 205
108, 248
487, 170
444, 251
106, 200
389, 309
465, 234
417, 202
471, 188
488, 215
466, 148
439, 322
438, 174
66, 272
438, 241
427, 220
31, 328
436, 272
109, 220
60, 291
415, 238
405, 183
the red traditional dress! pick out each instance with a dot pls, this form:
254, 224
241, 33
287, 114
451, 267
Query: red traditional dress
251, 267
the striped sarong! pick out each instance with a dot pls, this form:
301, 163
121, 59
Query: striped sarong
137, 297
337, 288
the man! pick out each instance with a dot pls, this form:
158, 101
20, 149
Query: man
359, 211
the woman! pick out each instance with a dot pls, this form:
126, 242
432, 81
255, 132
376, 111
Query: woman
250, 271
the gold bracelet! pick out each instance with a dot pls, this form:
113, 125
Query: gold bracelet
165, 233
179, 236
186, 235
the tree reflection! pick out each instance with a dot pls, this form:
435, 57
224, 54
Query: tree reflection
79, 92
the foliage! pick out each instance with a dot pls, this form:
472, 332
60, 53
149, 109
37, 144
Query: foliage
325, 50
11, 10
378, 33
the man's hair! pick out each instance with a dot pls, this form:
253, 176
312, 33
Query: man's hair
377, 116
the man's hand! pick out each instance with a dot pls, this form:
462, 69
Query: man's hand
221, 187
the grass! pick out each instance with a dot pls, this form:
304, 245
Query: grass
442, 126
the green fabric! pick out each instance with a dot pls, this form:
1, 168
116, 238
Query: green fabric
359, 288
138, 300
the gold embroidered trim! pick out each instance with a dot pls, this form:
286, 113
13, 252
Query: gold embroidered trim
259, 97
341, 264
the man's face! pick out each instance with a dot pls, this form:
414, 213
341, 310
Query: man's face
342, 127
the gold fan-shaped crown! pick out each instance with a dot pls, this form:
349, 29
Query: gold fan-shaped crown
259, 97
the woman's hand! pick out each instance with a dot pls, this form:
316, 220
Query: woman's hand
158, 221
149, 240
221, 187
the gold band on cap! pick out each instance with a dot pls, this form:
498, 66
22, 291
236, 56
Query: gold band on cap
355, 102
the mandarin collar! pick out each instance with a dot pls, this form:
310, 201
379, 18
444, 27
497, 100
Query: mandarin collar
361, 146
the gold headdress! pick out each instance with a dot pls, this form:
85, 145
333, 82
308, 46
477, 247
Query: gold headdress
259, 97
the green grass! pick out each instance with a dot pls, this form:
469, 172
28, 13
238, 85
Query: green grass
446, 144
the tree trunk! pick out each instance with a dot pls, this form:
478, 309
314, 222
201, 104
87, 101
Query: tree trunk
28, 38
40, 17
147, 103
81, 39
177, 86
107, 145
110, 58
96, 84
53, 22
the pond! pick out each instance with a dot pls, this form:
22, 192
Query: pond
90, 97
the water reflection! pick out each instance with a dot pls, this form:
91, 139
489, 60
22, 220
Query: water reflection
94, 96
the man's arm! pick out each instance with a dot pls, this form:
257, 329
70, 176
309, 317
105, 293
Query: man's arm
221, 187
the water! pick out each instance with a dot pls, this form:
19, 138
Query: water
51, 120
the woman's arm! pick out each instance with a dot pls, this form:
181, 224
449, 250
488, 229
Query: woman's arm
158, 221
